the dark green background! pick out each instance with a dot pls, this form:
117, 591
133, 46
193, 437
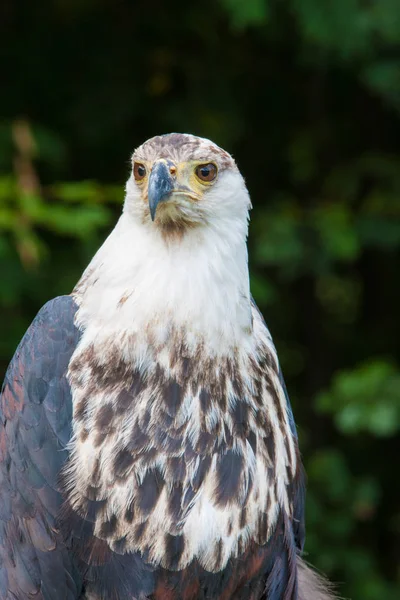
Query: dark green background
306, 95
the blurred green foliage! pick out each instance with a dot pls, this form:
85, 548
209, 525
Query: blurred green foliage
306, 94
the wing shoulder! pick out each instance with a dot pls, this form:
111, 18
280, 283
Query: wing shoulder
35, 426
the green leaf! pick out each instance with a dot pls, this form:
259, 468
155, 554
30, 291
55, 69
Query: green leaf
243, 14
366, 398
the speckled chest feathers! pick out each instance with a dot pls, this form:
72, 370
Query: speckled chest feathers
192, 460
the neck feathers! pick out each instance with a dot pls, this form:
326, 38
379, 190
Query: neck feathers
141, 282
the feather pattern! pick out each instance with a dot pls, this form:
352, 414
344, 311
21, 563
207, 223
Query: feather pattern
147, 443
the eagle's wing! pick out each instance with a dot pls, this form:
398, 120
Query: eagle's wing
281, 554
36, 415
299, 490
283, 550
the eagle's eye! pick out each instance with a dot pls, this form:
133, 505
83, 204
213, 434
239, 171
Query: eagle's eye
139, 171
206, 172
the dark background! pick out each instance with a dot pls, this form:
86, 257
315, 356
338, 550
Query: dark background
306, 95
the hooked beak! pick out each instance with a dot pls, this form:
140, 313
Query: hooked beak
160, 186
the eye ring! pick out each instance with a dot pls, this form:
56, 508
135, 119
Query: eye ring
206, 172
139, 171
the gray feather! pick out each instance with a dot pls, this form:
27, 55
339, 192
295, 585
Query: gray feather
313, 586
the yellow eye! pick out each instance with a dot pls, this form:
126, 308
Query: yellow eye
207, 172
139, 171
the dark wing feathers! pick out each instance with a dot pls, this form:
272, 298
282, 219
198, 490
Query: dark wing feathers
36, 412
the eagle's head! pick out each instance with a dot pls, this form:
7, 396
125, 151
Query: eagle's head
178, 247
180, 182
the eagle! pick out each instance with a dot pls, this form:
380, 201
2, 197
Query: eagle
148, 448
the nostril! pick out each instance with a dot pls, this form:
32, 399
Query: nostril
172, 170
